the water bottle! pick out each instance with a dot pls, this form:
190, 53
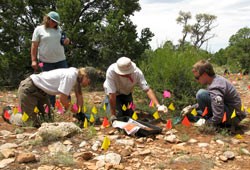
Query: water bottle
63, 37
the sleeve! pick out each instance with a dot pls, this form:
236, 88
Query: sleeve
35, 36
217, 104
109, 84
142, 81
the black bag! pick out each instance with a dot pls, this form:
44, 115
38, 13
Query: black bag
152, 129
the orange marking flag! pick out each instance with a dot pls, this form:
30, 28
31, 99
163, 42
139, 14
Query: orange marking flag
169, 124
105, 122
6, 115
224, 117
185, 121
205, 112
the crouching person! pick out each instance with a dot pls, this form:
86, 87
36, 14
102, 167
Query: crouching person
33, 91
121, 78
221, 99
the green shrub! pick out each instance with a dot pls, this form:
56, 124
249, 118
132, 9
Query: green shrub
169, 69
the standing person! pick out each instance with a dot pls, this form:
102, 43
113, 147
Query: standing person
33, 91
47, 46
219, 97
121, 77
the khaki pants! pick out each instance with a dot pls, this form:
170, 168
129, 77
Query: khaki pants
30, 97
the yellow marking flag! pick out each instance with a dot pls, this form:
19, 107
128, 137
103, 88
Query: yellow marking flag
84, 108
85, 124
238, 136
242, 107
36, 110
233, 114
124, 108
104, 107
194, 112
79, 109
248, 110
15, 110
94, 110
105, 143
92, 118
134, 116
171, 107
156, 115
25, 117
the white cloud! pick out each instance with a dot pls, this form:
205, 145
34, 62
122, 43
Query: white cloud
160, 16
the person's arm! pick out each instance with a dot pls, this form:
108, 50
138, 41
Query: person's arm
79, 96
112, 101
64, 99
152, 97
33, 51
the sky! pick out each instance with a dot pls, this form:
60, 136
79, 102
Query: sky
160, 16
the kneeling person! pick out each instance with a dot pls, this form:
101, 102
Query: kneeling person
34, 90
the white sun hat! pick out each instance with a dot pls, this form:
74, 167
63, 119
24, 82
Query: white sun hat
124, 66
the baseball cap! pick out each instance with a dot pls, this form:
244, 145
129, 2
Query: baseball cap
54, 16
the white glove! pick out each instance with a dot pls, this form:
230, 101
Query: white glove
112, 118
189, 109
186, 110
162, 108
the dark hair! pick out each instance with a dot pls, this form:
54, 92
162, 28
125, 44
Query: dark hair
203, 66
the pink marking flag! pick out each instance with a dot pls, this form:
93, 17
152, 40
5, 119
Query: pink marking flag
75, 107
40, 64
131, 106
151, 104
166, 94
47, 109
19, 109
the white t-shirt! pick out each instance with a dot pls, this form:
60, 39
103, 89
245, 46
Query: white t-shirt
123, 85
56, 81
50, 49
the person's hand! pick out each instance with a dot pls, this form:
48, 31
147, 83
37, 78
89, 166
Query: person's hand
113, 118
186, 110
80, 116
162, 108
34, 65
66, 41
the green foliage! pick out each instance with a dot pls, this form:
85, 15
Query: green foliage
236, 56
169, 69
100, 31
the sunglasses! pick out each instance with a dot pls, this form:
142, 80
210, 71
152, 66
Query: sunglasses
197, 78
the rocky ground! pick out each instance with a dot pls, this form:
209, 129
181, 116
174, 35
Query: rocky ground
55, 148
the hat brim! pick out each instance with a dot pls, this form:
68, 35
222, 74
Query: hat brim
124, 72
55, 20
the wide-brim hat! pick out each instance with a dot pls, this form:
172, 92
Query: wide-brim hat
54, 16
124, 66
